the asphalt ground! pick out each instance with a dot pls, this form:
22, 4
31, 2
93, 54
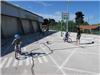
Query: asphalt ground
55, 57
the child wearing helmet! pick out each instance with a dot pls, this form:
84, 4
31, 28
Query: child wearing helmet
17, 45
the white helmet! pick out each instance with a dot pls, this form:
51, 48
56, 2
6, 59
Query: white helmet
17, 36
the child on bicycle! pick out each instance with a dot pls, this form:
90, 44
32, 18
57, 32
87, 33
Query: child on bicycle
17, 45
66, 35
66, 38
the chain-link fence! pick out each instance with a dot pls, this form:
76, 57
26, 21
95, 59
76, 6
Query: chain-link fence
72, 28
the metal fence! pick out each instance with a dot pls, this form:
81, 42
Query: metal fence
72, 28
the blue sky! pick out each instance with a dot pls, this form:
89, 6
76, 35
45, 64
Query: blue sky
53, 9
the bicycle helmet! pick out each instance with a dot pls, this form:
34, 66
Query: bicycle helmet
17, 36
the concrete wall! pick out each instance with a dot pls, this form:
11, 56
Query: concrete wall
26, 26
9, 10
9, 26
35, 26
17, 20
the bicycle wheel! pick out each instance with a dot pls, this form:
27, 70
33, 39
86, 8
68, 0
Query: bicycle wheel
69, 40
65, 39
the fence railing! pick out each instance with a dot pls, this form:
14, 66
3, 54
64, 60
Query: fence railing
58, 27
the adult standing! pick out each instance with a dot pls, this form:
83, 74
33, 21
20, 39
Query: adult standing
78, 36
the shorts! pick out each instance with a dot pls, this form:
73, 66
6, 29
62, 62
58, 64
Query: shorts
78, 37
17, 48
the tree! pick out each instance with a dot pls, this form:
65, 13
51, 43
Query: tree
46, 21
52, 21
71, 25
85, 23
79, 18
46, 24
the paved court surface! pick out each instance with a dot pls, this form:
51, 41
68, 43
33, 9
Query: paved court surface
56, 57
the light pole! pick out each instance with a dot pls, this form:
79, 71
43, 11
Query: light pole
61, 27
65, 18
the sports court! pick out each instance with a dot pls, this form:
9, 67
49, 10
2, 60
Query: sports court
60, 58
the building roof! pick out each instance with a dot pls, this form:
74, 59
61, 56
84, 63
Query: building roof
20, 8
88, 27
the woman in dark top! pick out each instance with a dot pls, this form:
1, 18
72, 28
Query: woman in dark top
78, 36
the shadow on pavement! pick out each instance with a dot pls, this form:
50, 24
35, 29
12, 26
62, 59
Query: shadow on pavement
33, 55
87, 43
26, 39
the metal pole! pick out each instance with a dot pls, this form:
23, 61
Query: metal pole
67, 22
67, 16
61, 28
61, 23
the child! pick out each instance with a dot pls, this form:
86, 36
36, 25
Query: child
17, 45
66, 36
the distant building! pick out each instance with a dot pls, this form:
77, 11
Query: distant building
17, 20
88, 27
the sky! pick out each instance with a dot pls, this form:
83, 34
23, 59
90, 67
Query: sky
53, 9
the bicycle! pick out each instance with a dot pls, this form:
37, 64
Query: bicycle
67, 39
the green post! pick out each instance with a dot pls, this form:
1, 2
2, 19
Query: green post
65, 18
61, 28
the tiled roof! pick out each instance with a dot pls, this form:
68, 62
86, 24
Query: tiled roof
88, 27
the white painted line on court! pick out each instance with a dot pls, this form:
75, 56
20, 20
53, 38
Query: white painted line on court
2, 63
45, 59
89, 53
33, 60
54, 61
79, 70
28, 62
15, 63
40, 60
46, 49
67, 59
21, 62
9, 62
24, 49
